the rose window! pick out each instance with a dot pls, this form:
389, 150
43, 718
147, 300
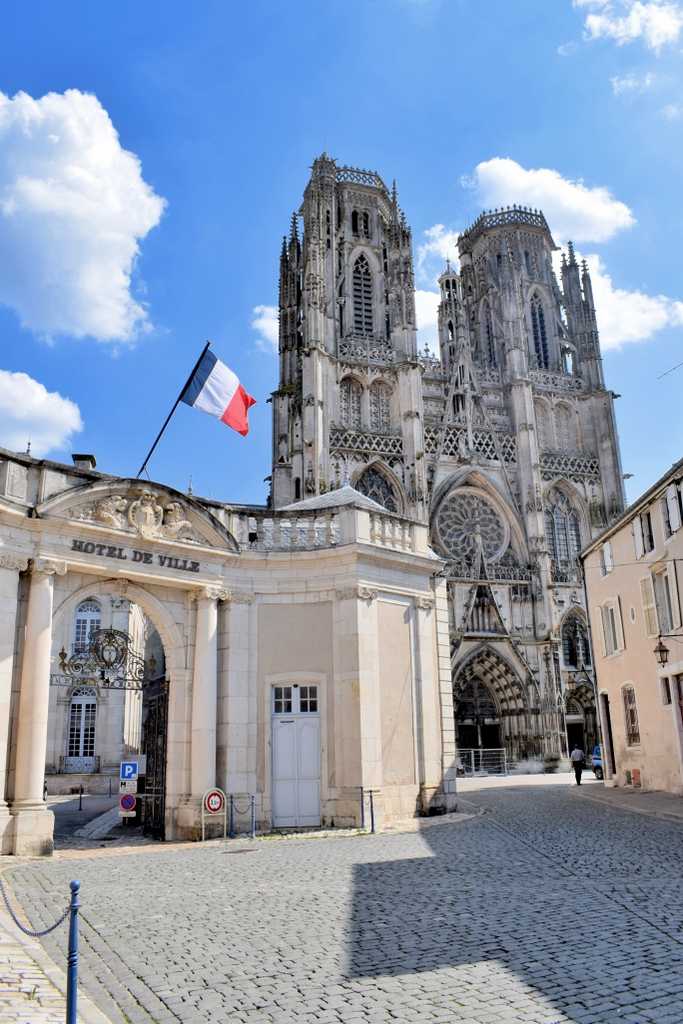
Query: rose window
467, 520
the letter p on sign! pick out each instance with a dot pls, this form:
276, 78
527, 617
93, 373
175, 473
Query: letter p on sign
129, 771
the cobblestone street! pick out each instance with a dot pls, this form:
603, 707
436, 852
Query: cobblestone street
547, 908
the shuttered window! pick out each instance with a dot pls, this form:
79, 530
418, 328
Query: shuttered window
601, 631
628, 695
674, 507
637, 528
647, 597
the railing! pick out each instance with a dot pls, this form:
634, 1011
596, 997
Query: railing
556, 381
481, 761
364, 441
495, 571
360, 177
357, 348
573, 466
287, 531
501, 218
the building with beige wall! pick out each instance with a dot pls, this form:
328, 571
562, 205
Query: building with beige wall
633, 580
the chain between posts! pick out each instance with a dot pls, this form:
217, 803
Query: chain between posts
27, 931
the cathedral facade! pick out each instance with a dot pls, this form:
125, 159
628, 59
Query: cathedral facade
504, 443
407, 607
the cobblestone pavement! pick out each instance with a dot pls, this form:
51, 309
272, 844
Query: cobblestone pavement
546, 909
26, 995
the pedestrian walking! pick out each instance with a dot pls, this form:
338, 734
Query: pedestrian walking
578, 760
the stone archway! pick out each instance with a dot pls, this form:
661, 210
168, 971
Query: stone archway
491, 702
580, 718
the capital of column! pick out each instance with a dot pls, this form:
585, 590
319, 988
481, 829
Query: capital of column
46, 567
425, 603
210, 594
8, 561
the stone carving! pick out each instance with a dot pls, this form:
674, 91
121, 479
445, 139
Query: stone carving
425, 603
119, 603
13, 562
47, 566
360, 592
144, 514
176, 526
210, 593
108, 511
241, 597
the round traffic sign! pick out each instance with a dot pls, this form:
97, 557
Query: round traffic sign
128, 802
214, 802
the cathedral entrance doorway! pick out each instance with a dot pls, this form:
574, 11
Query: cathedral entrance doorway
476, 717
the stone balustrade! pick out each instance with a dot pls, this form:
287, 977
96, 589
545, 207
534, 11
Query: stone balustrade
310, 531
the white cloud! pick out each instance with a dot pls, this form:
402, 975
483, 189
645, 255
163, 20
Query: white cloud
29, 411
441, 242
426, 304
671, 111
655, 22
265, 321
566, 49
630, 84
73, 206
571, 209
625, 316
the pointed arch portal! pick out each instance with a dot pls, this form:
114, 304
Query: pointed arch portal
492, 708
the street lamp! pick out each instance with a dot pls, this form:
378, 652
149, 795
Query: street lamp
661, 652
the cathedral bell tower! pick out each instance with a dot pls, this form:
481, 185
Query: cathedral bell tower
349, 399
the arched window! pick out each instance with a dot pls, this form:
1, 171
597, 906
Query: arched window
376, 486
527, 262
366, 225
451, 335
539, 331
88, 620
563, 429
82, 722
350, 400
354, 222
562, 527
575, 649
489, 341
362, 296
380, 417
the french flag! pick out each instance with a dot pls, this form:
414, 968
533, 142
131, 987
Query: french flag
215, 389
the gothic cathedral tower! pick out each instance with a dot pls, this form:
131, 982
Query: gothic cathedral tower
349, 398
523, 470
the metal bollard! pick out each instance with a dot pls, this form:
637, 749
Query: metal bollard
372, 813
110, 785
72, 958
253, 817
362, 808
232, 816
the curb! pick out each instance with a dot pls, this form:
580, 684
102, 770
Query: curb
667, 815
87, 1011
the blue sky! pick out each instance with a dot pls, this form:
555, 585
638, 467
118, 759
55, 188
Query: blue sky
151, 156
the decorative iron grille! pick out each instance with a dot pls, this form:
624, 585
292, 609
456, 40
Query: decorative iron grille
109, 661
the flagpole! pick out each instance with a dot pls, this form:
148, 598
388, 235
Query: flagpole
143, 467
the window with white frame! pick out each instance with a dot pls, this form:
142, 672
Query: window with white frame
88, 620
643, 537
666, 690
295, 700
610, 627
628, 696
82, 723
606, 562
660, 600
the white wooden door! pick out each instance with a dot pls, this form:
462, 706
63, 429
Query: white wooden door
296, 757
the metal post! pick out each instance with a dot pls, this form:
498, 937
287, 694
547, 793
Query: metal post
372, 813
110, 785
362, 808
472, 760
72, 958
505, 763
80, 797
253, 817
232, 816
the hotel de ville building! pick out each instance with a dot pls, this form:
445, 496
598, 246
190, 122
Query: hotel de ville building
408, 604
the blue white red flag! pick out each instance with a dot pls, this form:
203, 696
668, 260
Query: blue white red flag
216, 390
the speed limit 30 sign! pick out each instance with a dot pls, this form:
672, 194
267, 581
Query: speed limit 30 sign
214, 801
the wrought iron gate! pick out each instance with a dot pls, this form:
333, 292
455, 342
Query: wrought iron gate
153, 745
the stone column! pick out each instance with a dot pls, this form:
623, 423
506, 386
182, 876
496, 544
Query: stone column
204, 691
10, 567
34, 824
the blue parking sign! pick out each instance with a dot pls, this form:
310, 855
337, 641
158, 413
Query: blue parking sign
129, 771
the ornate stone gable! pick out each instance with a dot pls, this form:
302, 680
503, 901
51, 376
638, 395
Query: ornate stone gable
139, 510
